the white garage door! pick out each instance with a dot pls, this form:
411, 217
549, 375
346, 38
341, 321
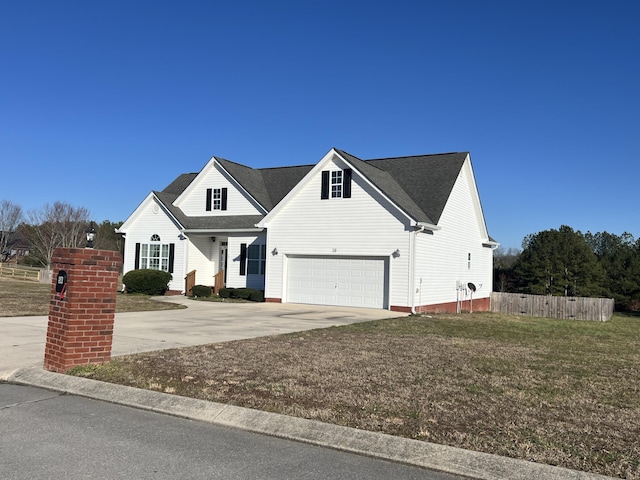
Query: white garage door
345, 281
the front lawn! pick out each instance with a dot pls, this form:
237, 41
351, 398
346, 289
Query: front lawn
553, 391
20, 298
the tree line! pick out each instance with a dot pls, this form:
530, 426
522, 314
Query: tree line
43, 230
571, 263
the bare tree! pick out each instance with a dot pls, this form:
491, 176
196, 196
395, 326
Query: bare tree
10, 217
57, 225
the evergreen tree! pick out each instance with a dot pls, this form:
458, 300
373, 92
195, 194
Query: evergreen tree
559, 262
107, 238
619, 257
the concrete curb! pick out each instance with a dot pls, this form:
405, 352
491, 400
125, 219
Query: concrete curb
403, 450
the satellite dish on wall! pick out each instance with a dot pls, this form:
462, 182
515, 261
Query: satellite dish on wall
471, 286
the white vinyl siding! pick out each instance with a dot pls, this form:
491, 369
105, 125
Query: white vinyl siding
151, 219
364, 225
203, 258
442, 259
192, 201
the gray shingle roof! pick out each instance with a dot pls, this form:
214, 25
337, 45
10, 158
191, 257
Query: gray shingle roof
420, 185
250, 179
267, 185
427, 179
224, 222
179, 184
280, 181
389, 186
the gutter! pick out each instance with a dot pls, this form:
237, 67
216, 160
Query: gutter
427, 226
222, 230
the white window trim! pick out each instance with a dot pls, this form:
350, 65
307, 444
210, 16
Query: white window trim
155, 254
335, 184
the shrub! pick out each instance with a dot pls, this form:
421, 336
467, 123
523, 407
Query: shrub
256, 295
225, 292
201, 291
149, 282
242, 293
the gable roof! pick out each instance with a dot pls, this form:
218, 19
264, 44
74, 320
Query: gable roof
250, 179
226, 222
385, 181
281, 180
419, 185
266, 185
179, 184
427, 179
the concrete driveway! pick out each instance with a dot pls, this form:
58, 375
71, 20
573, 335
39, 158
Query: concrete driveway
22, 339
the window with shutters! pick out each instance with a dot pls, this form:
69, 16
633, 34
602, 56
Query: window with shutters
216, 199
256, 259
155, 255
336, 184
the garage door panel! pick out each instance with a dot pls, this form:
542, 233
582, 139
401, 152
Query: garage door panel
346, 281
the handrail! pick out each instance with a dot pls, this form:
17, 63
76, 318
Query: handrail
218, 280
189, 282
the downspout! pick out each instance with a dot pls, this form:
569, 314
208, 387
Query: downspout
412, 268
185, 254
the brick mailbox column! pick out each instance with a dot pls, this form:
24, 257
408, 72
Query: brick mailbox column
81, 316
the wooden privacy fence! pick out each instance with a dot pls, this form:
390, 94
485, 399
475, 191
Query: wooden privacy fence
572, 308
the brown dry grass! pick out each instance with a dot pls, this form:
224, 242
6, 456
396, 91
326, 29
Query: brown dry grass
23, 298
559, 392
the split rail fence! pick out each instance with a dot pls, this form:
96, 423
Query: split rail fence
21, 273
572, 308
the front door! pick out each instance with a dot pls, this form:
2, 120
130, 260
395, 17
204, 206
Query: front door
223, 259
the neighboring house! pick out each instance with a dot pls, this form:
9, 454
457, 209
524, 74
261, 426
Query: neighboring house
17, 247
405, 234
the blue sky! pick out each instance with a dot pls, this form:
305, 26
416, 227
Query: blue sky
101, 102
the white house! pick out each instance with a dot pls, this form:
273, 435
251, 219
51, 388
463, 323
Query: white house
405, 234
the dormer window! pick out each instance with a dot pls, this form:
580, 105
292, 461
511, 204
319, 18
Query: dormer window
336, 184
216, 199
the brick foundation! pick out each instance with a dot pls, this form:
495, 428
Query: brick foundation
80, 329
479, 305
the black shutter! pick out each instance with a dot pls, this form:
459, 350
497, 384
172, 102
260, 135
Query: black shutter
324, 193
136, 262
243, 259
346, 183
172, 254
224, 199
208, 200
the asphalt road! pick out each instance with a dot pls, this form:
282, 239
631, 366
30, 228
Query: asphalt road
49, 435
